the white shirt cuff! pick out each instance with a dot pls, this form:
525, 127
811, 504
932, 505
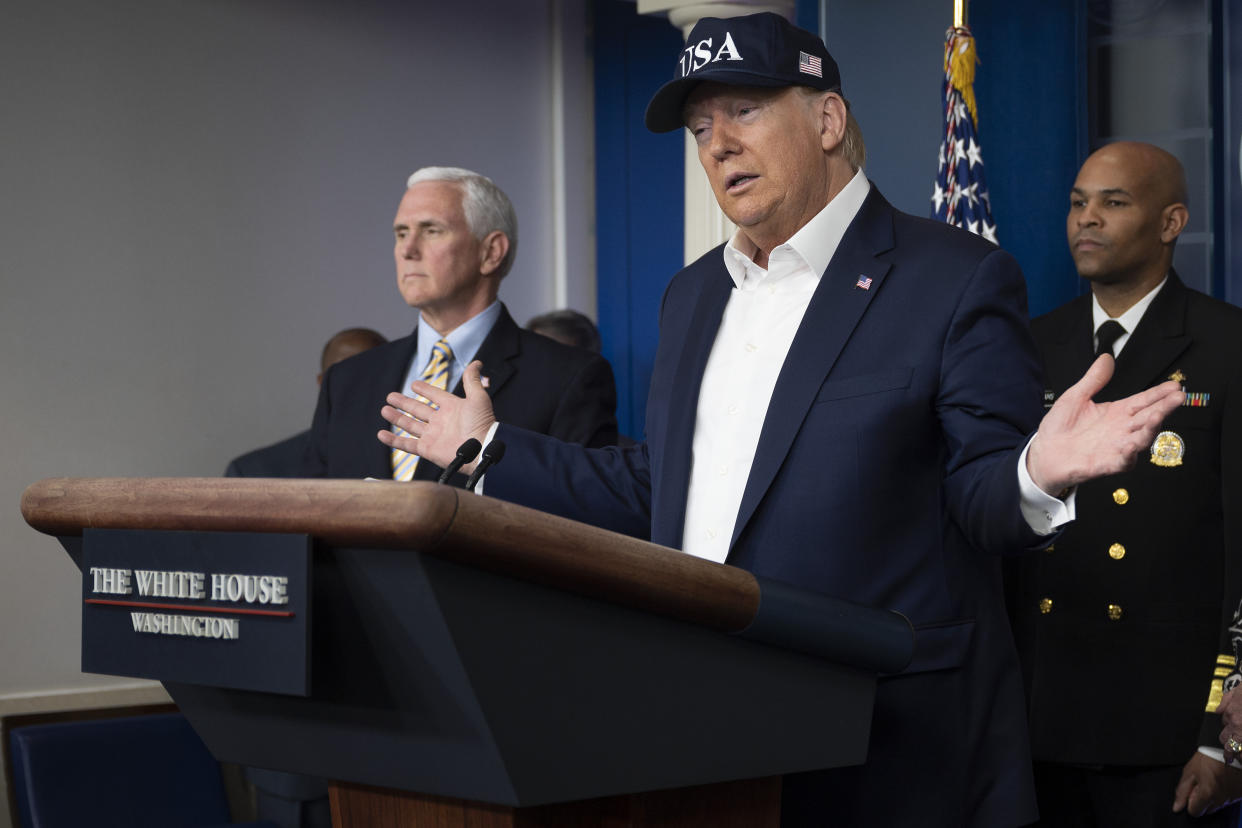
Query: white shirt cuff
1219, 756
1042, 512
491, 435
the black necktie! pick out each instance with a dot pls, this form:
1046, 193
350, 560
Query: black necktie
1107, 335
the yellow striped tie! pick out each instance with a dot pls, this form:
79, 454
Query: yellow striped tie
436, 373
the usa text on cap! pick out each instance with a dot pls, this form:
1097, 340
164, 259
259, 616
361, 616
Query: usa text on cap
757, 50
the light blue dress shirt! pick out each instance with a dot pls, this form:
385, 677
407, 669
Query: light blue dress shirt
465, 341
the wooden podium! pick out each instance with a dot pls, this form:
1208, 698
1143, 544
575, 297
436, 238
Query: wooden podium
476, 663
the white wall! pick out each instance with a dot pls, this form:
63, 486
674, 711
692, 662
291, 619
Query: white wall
194, 194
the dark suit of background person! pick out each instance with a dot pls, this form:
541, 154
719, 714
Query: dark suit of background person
570, 327
1120, 623
887, 467
285, 459
456, 236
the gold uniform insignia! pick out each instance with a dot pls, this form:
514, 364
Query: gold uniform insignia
1167, 449
1177, 376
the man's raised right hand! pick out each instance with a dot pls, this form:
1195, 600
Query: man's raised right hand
439, 421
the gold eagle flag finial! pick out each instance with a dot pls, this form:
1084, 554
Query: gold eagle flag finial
960, 59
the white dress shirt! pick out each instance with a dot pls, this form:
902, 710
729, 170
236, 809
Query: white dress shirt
759, 324
1128, 320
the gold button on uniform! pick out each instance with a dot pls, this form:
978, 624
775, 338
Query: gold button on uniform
1114, 612
1121, 497
1116, 551
1045, 605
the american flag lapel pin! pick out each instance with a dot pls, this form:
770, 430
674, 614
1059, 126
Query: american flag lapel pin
863, 283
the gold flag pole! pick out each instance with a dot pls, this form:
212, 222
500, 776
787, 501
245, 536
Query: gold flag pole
959, 13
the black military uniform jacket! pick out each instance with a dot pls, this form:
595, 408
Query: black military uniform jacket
1123, 624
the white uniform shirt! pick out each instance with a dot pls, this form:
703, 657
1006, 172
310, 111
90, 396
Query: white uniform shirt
1128, 320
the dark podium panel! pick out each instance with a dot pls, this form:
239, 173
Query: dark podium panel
473, 656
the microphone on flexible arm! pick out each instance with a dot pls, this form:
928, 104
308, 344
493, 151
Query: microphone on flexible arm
466, 452
491, 456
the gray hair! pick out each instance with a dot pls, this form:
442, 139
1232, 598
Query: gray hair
485, 205
852, 147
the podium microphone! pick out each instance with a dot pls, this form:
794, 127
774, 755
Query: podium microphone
466, 452
491, 456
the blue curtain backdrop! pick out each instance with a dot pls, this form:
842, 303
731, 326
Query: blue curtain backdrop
638, 196
1032, 119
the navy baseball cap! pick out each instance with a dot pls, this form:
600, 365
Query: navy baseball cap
756, 50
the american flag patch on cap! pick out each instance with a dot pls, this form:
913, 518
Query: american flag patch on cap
810, 65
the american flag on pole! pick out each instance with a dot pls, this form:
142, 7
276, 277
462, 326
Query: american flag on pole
960, 196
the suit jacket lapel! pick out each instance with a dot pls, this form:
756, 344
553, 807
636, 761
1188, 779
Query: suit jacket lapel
668, 524
498, 353
391, 378
834, 311
1069, 352
1156, 343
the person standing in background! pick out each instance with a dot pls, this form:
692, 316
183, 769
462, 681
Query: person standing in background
455, 237
285, 459
1119, 624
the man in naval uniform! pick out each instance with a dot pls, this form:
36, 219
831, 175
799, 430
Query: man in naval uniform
1119, 623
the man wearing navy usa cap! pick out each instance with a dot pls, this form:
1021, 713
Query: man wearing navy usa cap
841, 400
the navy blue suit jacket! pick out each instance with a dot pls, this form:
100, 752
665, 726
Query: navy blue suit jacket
886, 474
283, 459
533, 381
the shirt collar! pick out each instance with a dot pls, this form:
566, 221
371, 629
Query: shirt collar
814, 243
465, 339
1130, 319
